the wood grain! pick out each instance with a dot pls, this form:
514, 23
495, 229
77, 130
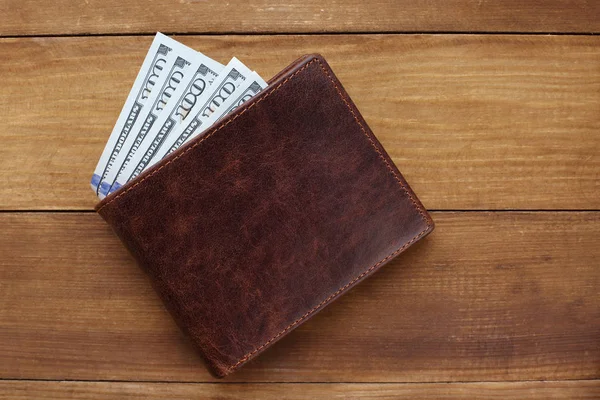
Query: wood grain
487, 297
567, 390
473, 121
33, 17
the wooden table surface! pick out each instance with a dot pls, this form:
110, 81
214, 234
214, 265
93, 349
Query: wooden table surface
491, 109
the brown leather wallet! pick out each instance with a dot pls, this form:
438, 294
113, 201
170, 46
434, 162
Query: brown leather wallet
280, 208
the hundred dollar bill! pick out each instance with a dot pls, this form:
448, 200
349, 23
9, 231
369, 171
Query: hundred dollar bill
178, 70
252, 86
248, 89
153, 68
184, 98
224, 85
223, 90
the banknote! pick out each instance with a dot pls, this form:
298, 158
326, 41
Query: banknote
185, 97
177, 95
180, 68
250, 88
152, 69
224, 86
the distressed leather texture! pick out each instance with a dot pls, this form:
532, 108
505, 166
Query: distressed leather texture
251, 229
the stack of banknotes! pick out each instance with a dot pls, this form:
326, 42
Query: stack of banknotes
177, 95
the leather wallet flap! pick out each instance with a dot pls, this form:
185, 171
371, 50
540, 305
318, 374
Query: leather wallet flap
251, 229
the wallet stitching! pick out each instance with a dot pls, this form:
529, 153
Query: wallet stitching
328, 299
381, 156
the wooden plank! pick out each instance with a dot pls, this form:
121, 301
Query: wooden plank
474, 122
567, 390
31, 17
487, 297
